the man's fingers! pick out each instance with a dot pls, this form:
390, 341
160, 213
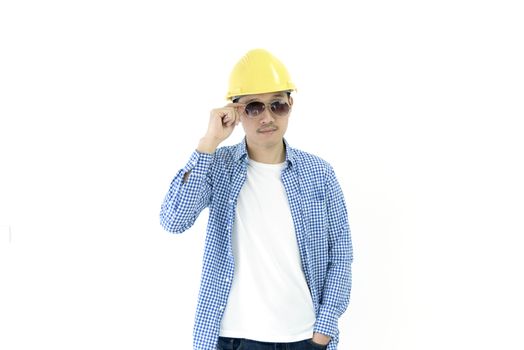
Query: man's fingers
229, 115
238, 109
235, 112
229, 119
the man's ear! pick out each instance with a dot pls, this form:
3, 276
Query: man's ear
290, 101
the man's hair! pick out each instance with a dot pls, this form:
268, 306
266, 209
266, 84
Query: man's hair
236, 98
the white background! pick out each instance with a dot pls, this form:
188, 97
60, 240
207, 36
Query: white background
418, 106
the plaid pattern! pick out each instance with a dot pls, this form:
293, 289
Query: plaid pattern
321, 224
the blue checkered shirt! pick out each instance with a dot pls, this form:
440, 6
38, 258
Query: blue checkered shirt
321, 225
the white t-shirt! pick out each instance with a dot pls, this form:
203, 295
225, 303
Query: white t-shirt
269, 298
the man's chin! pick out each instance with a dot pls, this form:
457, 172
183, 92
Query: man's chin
266, 140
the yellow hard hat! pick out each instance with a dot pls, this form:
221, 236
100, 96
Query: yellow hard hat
258, 72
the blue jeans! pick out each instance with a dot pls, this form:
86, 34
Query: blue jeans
247, 344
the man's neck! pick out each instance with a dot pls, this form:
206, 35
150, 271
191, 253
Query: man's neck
269, 155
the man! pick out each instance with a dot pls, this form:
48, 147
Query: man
277, 261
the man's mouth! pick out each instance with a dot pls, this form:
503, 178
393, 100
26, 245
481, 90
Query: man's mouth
262, 131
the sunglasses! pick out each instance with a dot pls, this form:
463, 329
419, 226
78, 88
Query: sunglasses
278, 108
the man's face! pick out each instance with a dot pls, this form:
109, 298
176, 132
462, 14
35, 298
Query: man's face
266, 129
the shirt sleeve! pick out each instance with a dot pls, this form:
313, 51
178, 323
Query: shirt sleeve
189, 193
337, 287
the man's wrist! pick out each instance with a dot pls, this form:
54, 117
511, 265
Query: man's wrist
207, 145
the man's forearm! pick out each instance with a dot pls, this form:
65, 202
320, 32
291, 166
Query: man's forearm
207, 145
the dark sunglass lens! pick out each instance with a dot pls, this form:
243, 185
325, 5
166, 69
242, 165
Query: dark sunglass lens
253, 109
280, 108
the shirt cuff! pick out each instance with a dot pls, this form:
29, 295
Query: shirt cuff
327, 322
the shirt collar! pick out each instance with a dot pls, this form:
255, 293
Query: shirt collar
241, 152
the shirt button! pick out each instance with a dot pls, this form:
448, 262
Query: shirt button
221, 308
227, 279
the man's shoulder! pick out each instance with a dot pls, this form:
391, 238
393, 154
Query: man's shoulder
309, 160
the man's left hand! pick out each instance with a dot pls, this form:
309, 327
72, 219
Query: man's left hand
321, 339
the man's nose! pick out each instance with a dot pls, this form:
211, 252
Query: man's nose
266, 116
